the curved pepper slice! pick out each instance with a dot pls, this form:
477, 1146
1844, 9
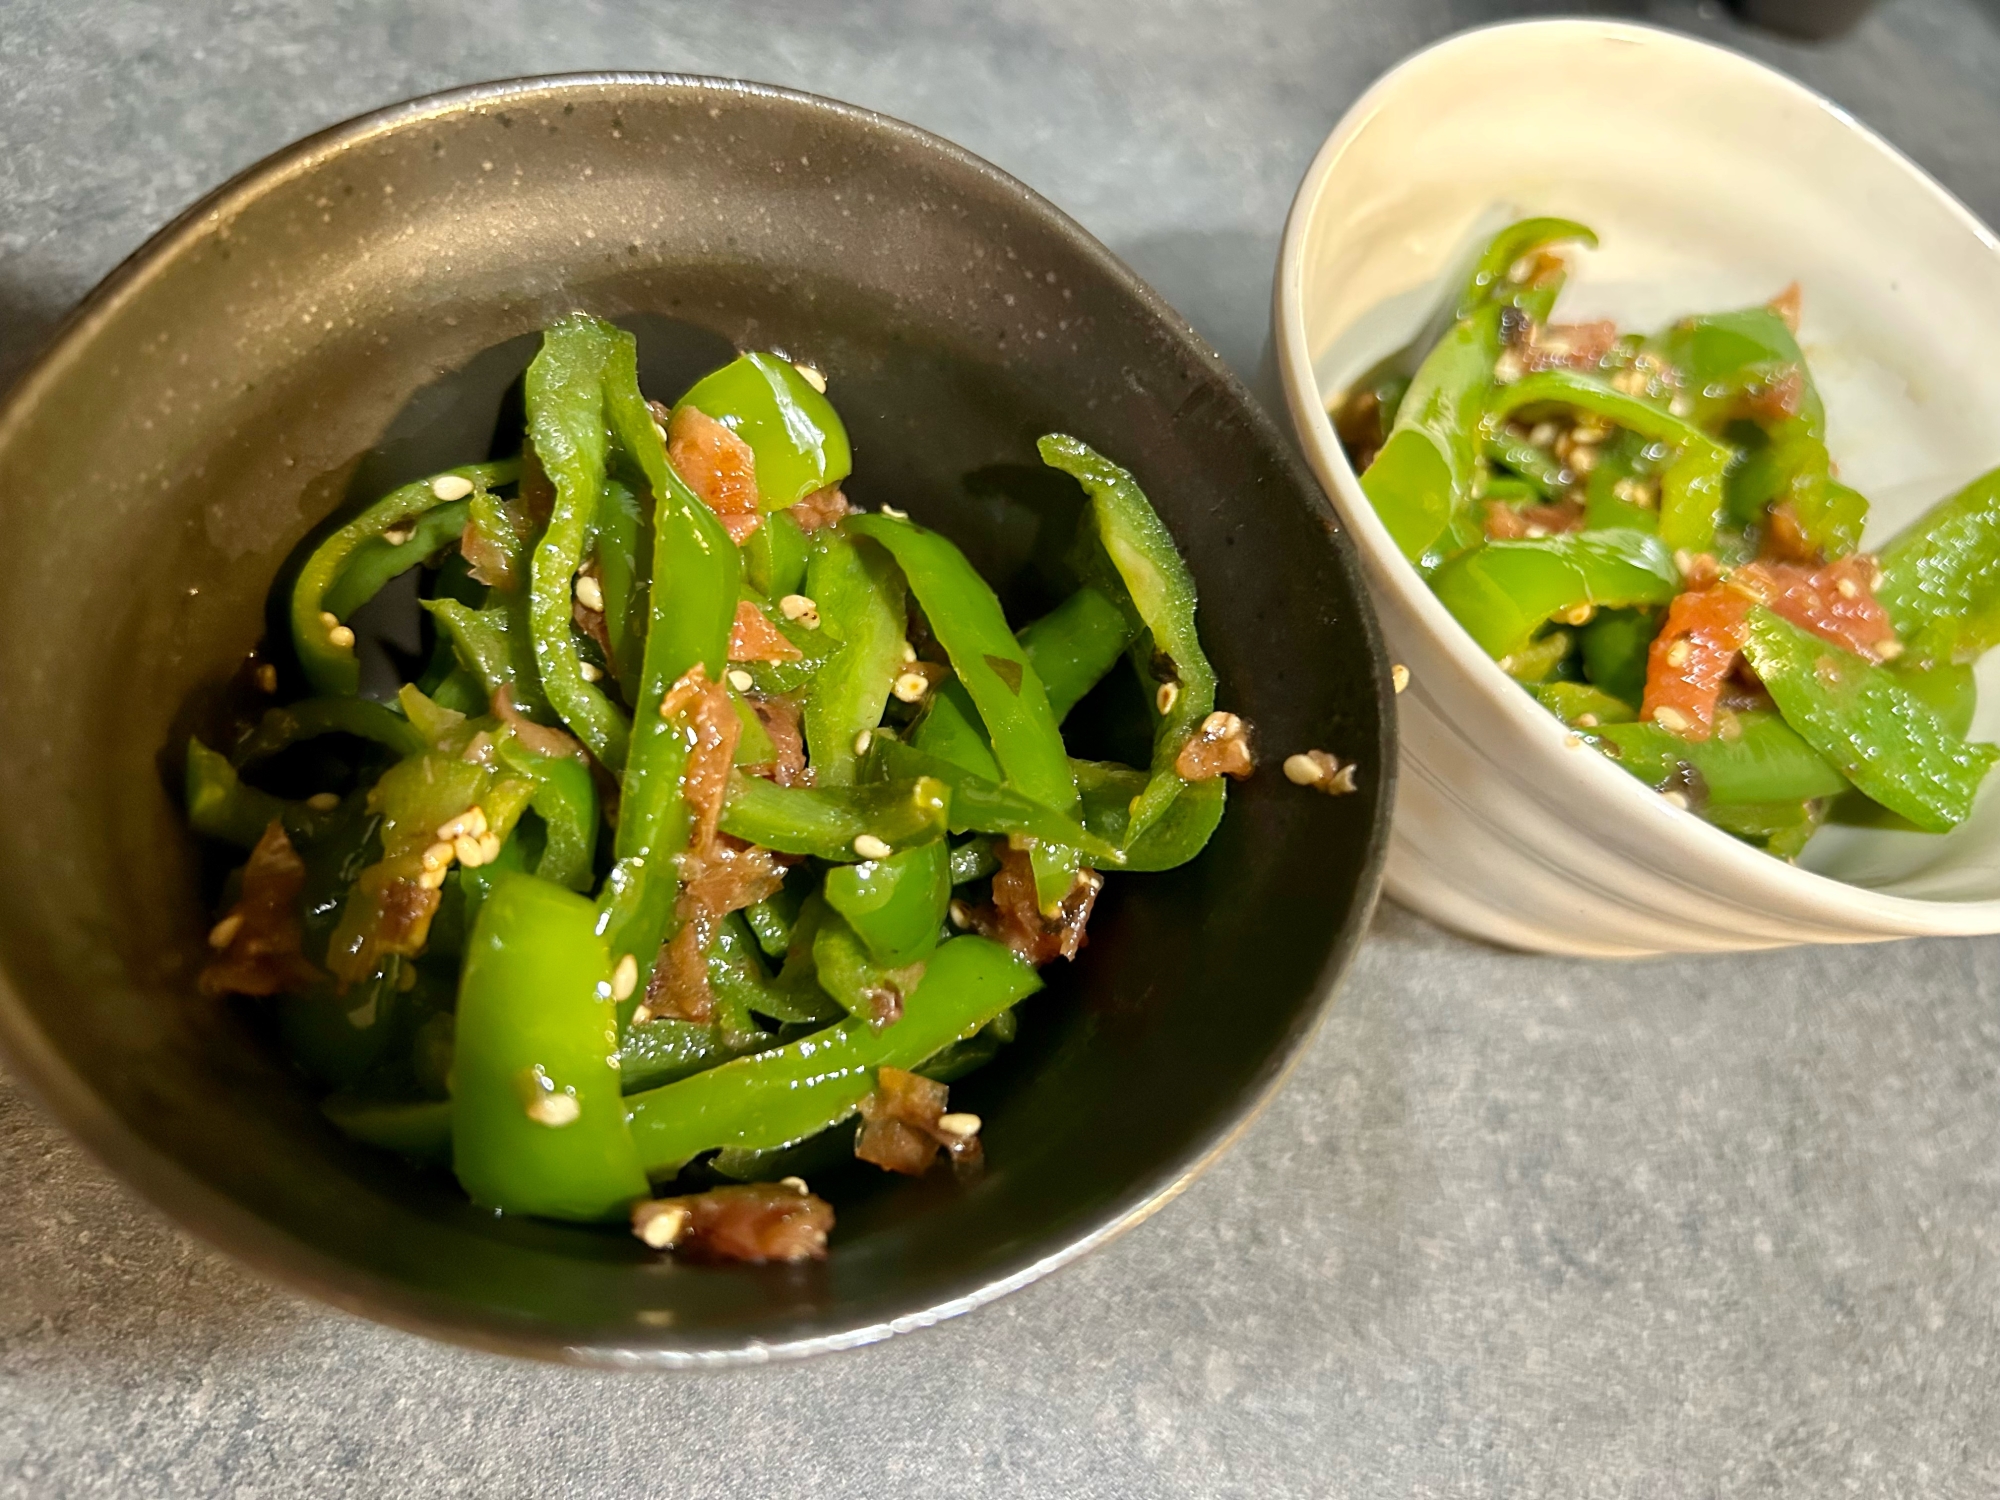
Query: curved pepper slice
859, 598
1493, 281
332, 668
220, 805
826, 821
1503, 592
1759, 760
799, 441
896, 905
537, 1118
379, 559
1941, 576
310, 718
784, 1095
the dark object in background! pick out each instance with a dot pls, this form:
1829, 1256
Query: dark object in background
365, 293
1813, 20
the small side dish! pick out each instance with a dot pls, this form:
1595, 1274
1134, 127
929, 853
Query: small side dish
725, 821
1648, 533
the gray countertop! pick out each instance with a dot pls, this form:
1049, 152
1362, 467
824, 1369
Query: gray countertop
1517, 1225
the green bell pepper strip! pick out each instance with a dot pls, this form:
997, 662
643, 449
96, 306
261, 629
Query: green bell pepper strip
854, 976
771, 919
951, 731
696, 580
797, 437
565, 798
624, 551
334, 670
775, 557
1619, 459
974, 860
1692, 489
495, 647
665, 1051
859, 595
977, 805
1766, 762
1420, 483
1572, 701
1779, 828
895, 906
1173, 840
825, 821
1722, 356
1075, 644
281, 728
566, 423
1502, 593
220, 805
791, 1092
1491, 281
1536, 466
419, 1129
1883, 738
754, 745
538, 1124
1161, 589
795, 995
1941, 576
378, 560
1951, 691
1615, 645
1535, 662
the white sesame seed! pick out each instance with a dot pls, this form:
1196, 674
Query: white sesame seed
796, 607
451, 486
395, 536
660, 1225
1680, 406
1684, 560
894, 514
741, 680
1222, 725
796, 1184
322, 802
472, 821
1572, 742
223, 933
1544, 434
328, 618
959, 1126
661, 431
1583, 458
468, 851
869, 847
1675, 799
862, 741
1671, 719
341, 637
1301, 770
489, 848
961, 914
1678, 653
911, 687
812, 377
909, 652
1580, 615
267, 678
591, 672
589, 593
1847, 588
1509, 367
1586, 721
1399, 676
1342, 780
555, 1110
1168, 695
625, 978
430, 880
1889, 648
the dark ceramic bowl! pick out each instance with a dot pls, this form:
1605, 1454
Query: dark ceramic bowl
349, 314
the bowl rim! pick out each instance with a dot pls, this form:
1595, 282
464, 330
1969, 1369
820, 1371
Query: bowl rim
1702, 852
287, 1261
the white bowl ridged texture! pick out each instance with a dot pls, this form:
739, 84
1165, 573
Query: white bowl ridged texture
1712, 182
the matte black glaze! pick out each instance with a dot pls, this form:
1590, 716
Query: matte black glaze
340, 318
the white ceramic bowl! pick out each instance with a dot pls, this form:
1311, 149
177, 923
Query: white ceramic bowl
1712, 182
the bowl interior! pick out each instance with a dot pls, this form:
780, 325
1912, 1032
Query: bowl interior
1712, 182
349, 316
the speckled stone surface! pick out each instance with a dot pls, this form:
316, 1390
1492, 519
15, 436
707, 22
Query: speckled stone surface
1517, 1227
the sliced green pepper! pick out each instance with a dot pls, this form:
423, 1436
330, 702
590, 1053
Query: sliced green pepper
977, 805
1941, 576
220, 805
1615, 644
565, 799
494, 645
1492, 280
775, 556
379, 559
864, 985
1579, 701
896, 906
828, 821
1764, 760
624, 574
798, 439
859, 596
538, 1124
1504, 592
1883, 738
1780, 828
1075, 644
419, 1129
791, 1092
281, 728
1176, 838
334, 669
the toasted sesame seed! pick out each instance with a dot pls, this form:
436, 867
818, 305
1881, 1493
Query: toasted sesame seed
1889, 648
1580, 615
1399, 676
472, 821
1168, 695
1675, 799
660, 1225
1847, 588
589, 593
1671, 719
431, 880
894, 514
323, 801
960, 1126
863, 740
796, 1184
489, 848
591, 671
1509, 367
1543, 434
796, 607
395, 536
909, 652
1684, 560
555, 1110
625, 978
1583, 458
1728, 727
1301, 770
961, 914
1572, 742
911, 687
869, 847
267, 677
741, 680
661, 431
1680, 406
1678, 653
466, 847
223, 933
328, 618
451, 486
812, 377
1222, 725
341, 637
1586, 721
